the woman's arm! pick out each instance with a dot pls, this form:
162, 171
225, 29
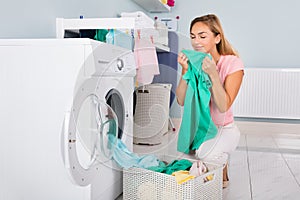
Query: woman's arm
181, 91
223, 95
182, 85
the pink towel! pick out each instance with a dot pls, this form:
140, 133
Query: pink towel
146, 60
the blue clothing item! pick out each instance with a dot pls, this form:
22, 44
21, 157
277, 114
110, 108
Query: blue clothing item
197, 125
110, 37
120, 39
127, 159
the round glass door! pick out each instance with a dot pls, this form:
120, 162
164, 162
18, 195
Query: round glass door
96, 131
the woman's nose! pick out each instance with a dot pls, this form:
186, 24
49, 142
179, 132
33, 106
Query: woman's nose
196, 41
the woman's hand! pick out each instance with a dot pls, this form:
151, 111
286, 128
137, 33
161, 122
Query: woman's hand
183, 61
209, 66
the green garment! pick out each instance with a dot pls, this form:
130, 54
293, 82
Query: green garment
173, 166
101, 35
197, 125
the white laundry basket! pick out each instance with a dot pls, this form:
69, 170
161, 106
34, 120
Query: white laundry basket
151, 113
143, 184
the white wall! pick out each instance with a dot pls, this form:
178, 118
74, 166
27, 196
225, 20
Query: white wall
264, 32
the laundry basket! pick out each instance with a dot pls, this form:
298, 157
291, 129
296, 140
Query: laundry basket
143, 184
151, 113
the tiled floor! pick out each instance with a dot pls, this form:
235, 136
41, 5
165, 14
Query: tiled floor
265, 165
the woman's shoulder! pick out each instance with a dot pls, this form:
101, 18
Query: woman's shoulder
231, 58
231, 63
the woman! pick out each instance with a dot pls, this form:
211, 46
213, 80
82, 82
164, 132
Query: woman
225, 71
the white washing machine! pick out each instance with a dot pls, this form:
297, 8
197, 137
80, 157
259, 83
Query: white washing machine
102, 105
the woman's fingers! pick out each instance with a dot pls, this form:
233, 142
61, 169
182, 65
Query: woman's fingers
182, 57
183, 60
205, 64
208, 65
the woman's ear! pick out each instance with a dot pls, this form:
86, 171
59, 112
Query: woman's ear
218, 39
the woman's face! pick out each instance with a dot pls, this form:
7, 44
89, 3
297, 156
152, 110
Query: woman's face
203, 39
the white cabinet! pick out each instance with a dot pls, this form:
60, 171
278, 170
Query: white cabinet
153, 6
37, 78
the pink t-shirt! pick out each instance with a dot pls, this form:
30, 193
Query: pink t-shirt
227, 64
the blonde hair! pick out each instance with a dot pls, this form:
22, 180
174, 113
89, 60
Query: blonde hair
214, 24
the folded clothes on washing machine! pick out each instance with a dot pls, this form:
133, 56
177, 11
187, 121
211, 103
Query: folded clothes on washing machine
126, 159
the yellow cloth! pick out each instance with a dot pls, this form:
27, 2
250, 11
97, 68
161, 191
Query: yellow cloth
182, 176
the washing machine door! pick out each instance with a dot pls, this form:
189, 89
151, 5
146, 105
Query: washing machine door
89, 137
